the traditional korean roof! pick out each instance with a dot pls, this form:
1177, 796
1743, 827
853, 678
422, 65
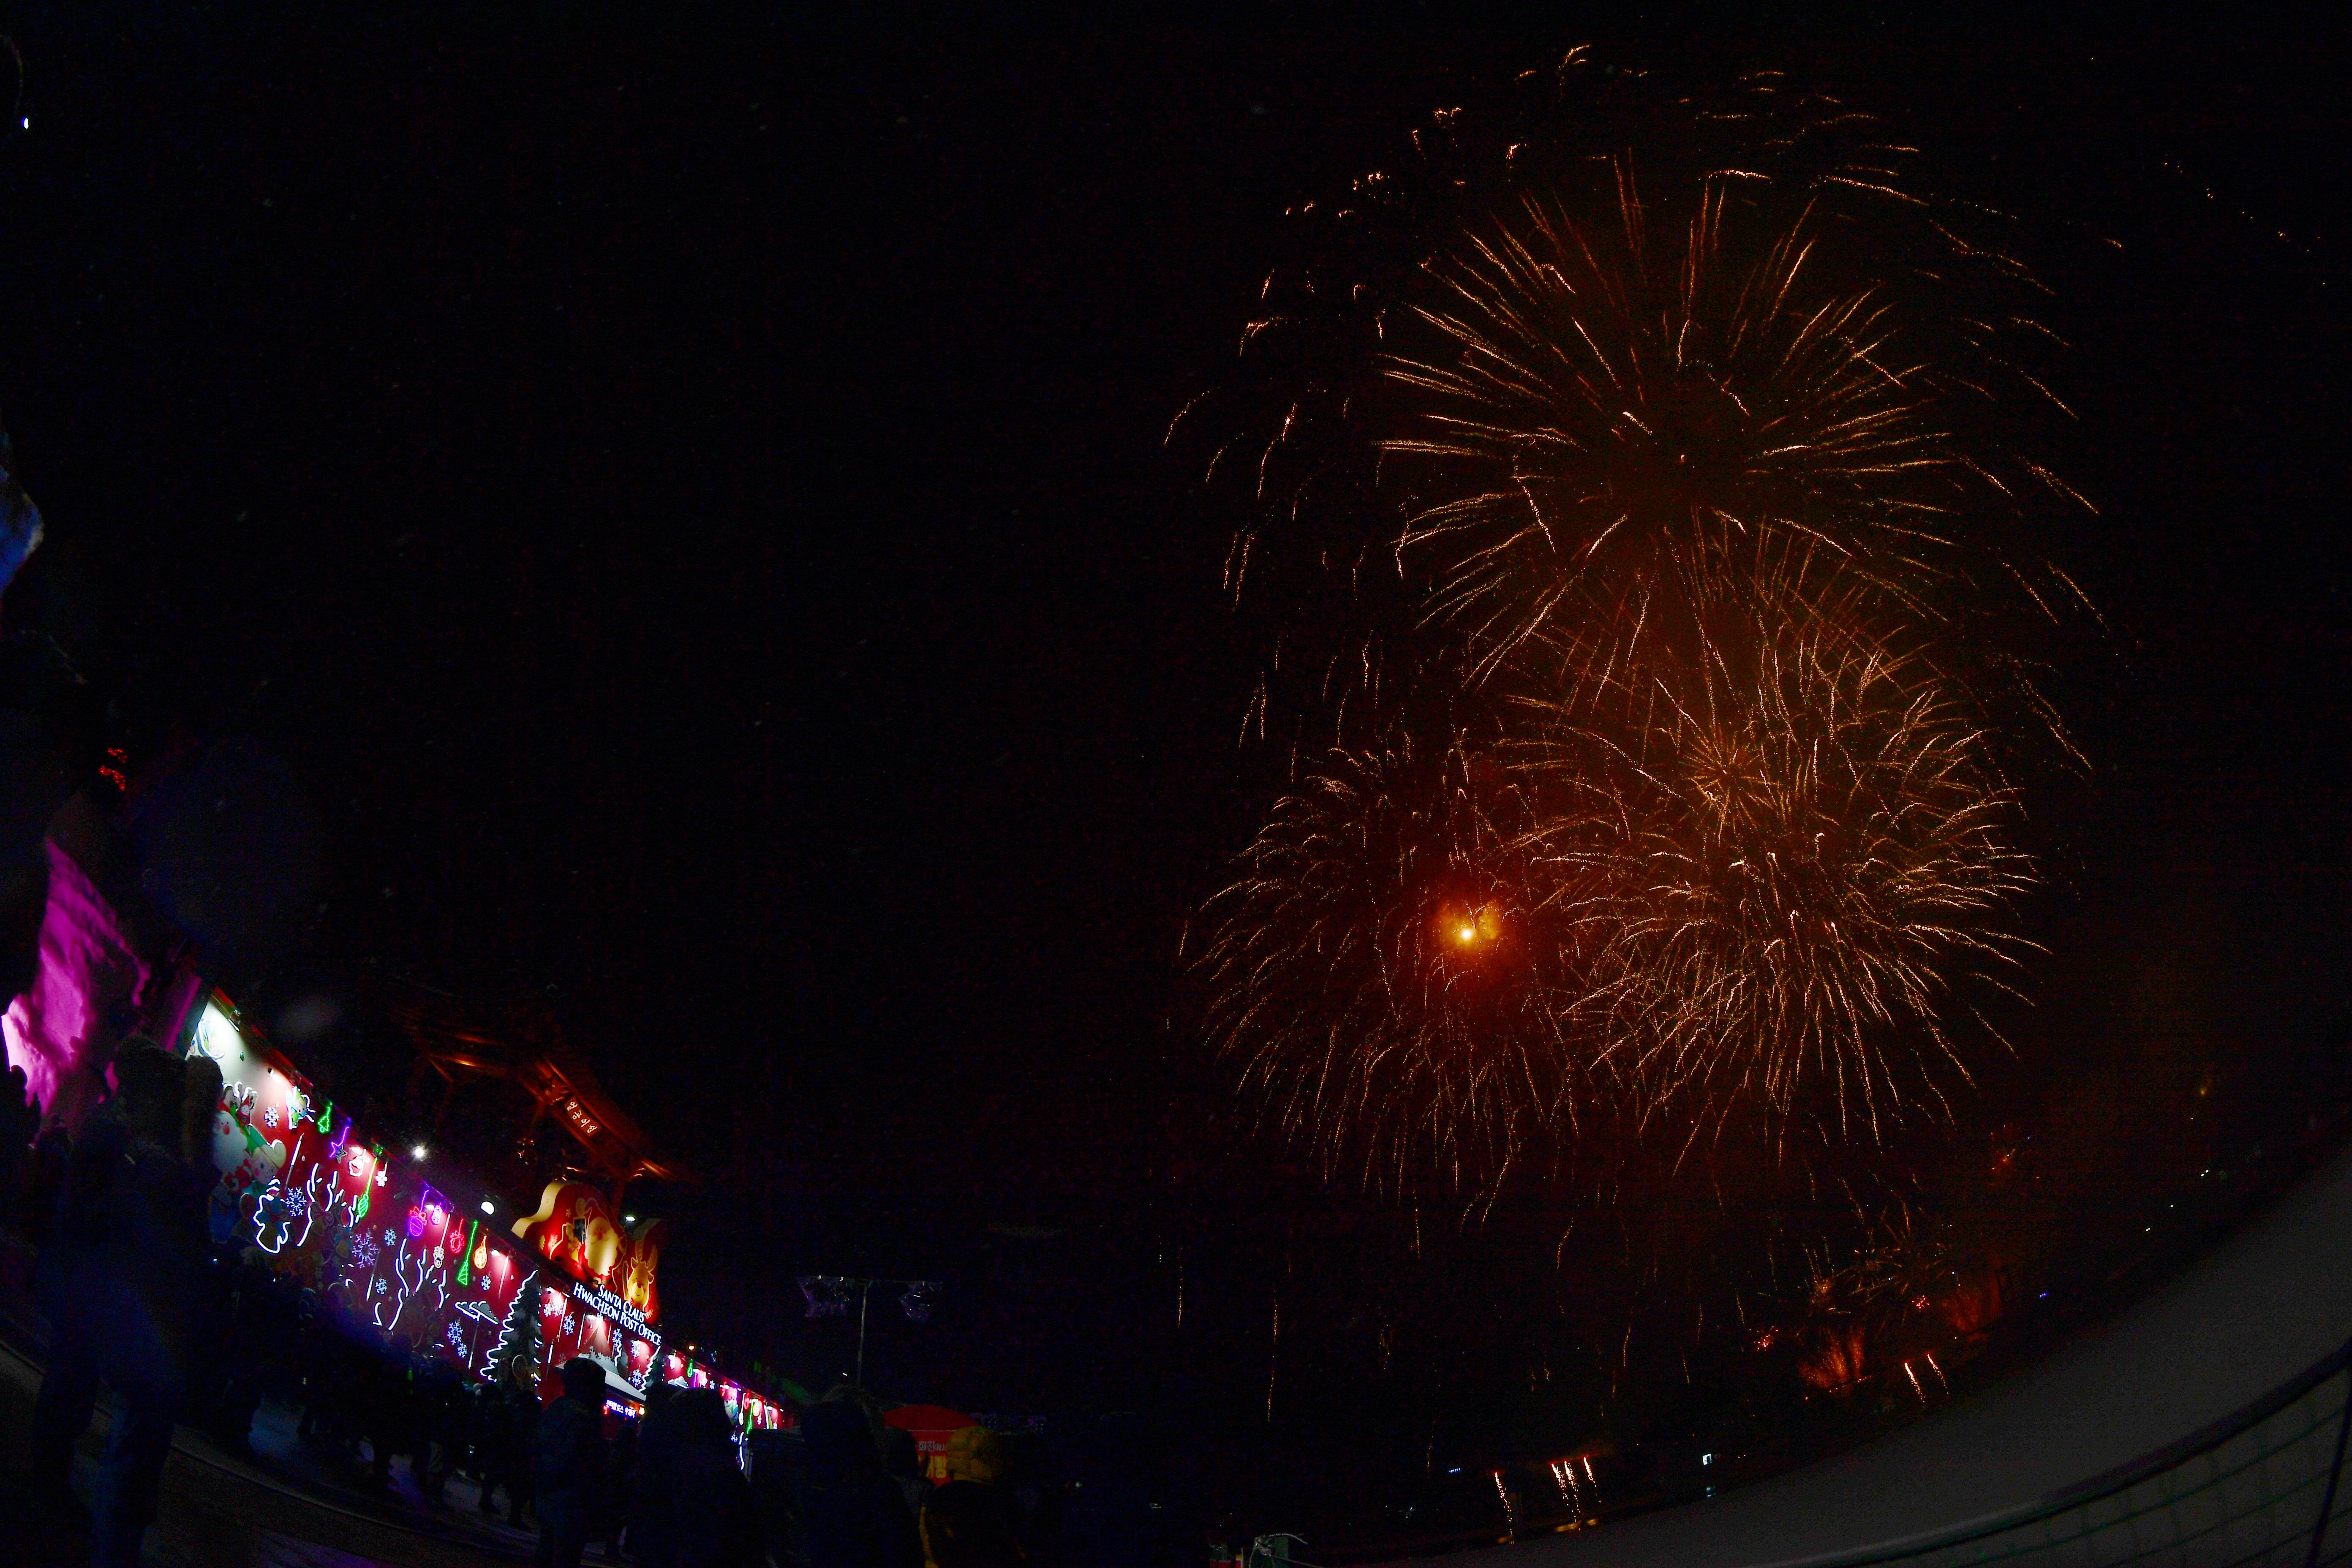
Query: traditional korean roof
522, 1043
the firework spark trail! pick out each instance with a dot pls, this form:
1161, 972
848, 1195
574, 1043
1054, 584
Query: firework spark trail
1759, 876
1683, 486
1589, 337
1394, 975
1601, 408
1812, 855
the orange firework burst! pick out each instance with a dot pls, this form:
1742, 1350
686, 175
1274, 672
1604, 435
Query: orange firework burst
1697, 482
1607, 397
1756, 879
1815, 862
1598, 340
1395, 966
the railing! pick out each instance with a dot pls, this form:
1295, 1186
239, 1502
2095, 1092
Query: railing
2261, 1488
2255, 1489
1274, 1551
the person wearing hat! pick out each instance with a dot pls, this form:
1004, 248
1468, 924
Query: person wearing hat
968, 1521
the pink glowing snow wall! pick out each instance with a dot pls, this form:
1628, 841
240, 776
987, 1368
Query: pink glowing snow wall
57, 1030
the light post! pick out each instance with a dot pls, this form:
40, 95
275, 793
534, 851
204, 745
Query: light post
865, 1290
828, 1296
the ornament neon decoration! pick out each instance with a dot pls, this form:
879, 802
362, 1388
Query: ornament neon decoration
424, 1270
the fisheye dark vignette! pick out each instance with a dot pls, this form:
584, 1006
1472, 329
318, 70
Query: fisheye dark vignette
618, 626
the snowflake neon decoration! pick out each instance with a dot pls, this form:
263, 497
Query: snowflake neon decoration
363, 1251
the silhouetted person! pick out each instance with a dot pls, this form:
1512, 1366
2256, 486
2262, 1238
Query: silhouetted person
70, 1280
970, 1521
20, 519
260, 1327
509, 1415
20, 1121
1035, 1501
970, 1524
613, 1500
125, 1259
852, 1515
708, 1521
568, 1464
773, 1459
440, 1438
387, 1407
903, 1462
43, 1184
652, 1533
200, 1094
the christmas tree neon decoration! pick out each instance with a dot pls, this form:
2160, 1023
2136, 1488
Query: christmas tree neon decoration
519, 1337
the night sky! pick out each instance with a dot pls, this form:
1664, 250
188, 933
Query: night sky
666, 515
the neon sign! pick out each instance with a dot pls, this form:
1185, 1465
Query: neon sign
384, 1248
295, 1182
606, 1304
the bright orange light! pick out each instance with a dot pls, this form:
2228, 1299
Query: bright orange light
1478, 925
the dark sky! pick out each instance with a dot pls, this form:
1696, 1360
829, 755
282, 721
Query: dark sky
678, 492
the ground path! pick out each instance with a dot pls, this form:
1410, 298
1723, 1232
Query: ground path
283, 1509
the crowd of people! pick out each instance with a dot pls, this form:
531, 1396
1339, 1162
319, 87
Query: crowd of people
141, 1305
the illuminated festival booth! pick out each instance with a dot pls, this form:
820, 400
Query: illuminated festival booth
426, 1258
351, 1220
